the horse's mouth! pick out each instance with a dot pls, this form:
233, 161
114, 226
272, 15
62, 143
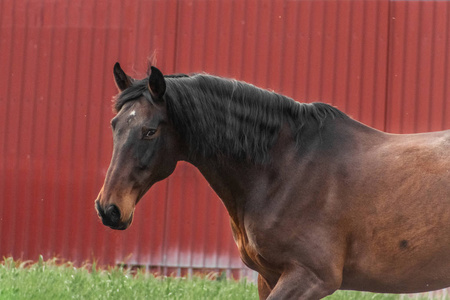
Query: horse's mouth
120, 226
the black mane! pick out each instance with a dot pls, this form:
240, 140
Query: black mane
218, 116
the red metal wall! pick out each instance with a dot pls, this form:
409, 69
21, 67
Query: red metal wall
418, 93
386, 63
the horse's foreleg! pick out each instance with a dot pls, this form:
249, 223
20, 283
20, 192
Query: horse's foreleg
263, 288
302, 283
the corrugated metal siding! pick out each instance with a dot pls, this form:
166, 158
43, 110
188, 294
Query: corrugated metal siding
299, 48
419, 67
383, 62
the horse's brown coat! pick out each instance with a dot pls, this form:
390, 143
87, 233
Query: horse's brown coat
355, 208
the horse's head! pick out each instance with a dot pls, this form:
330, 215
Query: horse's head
145, 147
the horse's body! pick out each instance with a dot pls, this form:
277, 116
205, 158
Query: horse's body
319, 203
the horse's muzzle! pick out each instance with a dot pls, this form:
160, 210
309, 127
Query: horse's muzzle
111, 216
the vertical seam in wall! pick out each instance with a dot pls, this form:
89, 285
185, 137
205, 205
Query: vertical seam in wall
163, 264
432, 72
5, 237
388, 63
418, 59
177, 33
446, 63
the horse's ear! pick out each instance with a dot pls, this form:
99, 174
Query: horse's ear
156, 84
123, 81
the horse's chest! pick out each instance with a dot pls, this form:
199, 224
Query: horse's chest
250, 252
246, 249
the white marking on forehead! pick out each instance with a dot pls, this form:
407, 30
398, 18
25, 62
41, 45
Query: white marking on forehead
133, 113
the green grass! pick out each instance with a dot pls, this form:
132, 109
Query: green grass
53, 280
50, 280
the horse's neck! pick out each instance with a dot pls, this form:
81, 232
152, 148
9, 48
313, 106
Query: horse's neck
241, 184
238, 182
233, 183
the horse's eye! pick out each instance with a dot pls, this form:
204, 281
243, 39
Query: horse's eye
148, 133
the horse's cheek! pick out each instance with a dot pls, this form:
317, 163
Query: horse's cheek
146, 153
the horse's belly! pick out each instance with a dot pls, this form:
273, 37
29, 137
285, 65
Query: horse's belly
401, 244
399, 285
392, 274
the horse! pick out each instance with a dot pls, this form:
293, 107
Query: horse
317, 200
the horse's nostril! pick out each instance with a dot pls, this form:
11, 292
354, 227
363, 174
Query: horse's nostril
113, 214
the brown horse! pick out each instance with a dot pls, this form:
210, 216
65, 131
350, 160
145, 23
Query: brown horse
317, 201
